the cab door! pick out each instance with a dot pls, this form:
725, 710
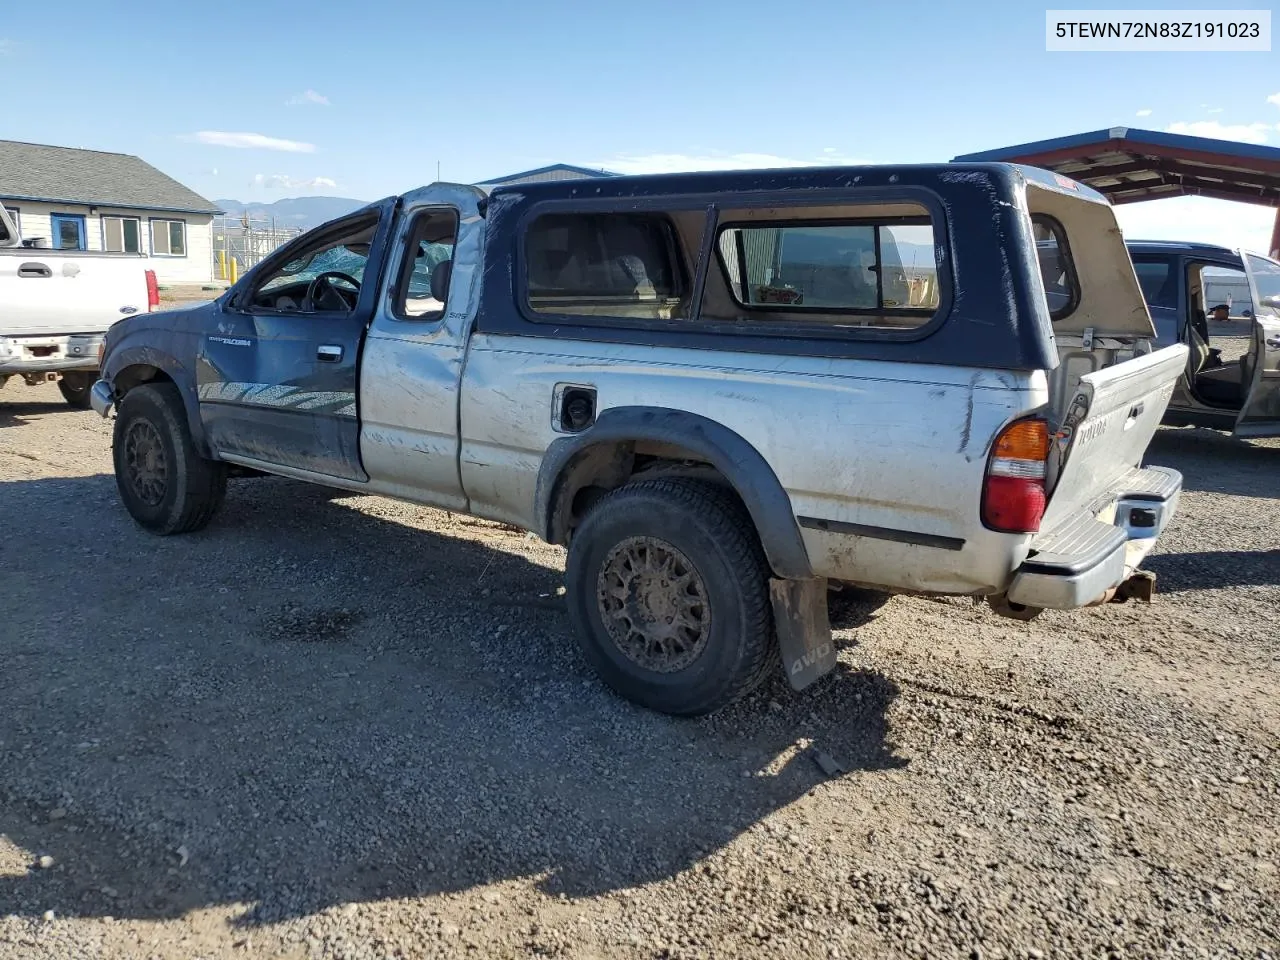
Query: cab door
277, 376
413, 358
1260, 415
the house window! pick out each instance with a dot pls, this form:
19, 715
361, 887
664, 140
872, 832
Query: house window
68, 231
168, 238
121, 235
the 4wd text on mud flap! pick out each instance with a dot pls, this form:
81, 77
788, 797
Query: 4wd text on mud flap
809, 659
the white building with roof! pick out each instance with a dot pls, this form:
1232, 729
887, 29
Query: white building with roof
71, 199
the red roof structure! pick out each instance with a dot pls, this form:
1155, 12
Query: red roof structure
1127, 165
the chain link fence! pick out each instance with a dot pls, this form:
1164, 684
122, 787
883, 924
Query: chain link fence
242, 242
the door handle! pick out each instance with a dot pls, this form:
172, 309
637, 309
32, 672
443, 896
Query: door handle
330, 352
30, 270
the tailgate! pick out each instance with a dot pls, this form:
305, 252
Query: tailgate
52, 294
1113, 415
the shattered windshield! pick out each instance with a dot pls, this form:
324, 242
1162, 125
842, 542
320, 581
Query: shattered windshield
338, 258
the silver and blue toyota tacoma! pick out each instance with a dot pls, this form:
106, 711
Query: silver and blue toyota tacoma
725, 393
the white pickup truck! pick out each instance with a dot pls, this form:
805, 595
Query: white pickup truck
56, 306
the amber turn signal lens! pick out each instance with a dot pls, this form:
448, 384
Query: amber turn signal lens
1024, 440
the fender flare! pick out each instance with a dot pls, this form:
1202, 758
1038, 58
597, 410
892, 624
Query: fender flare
125, 356
734, 457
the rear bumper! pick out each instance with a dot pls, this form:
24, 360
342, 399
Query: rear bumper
1081, 561
20, 355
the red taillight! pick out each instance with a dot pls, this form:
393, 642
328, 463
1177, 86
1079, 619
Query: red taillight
153, 291
1013, 495
1013, 505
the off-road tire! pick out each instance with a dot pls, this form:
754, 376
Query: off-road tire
710, 528
192, 487
75, 387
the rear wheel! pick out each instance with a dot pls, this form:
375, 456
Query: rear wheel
75, 387
164, 482
669, 591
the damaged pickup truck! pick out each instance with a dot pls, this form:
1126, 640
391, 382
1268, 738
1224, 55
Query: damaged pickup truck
723, 392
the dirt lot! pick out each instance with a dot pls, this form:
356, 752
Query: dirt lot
334, 725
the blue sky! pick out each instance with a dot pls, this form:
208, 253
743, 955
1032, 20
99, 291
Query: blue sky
262, 100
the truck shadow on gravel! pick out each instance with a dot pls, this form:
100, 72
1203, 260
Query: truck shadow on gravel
320, 700
16, 414
1215, 462
1215, 569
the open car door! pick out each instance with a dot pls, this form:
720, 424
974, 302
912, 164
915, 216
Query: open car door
1260, 414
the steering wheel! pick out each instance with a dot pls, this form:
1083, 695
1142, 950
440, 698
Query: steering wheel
322, 283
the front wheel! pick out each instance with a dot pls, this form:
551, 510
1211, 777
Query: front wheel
165, 484
75, 387
669, 591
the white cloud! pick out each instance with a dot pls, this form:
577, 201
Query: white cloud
1144, 112
307, 96
6, 47
1216, 110
1198, 219
251, 141
1246, 132
1274, 98
684, 163
282, 181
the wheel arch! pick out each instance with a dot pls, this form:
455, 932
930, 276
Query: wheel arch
133, 367
604, 457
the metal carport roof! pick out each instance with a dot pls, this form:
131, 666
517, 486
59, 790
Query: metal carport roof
1128, 165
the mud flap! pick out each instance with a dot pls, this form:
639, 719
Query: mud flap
1141, 585
804, 629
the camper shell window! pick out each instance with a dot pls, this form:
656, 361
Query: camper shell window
1057, 271
625, 265
861, 272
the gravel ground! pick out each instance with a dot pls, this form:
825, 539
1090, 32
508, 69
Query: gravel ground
1232, 338
339, 726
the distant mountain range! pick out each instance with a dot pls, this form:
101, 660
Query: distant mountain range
301, 213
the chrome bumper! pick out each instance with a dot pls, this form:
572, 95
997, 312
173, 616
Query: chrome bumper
30, 354
101, 398
1079, 563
